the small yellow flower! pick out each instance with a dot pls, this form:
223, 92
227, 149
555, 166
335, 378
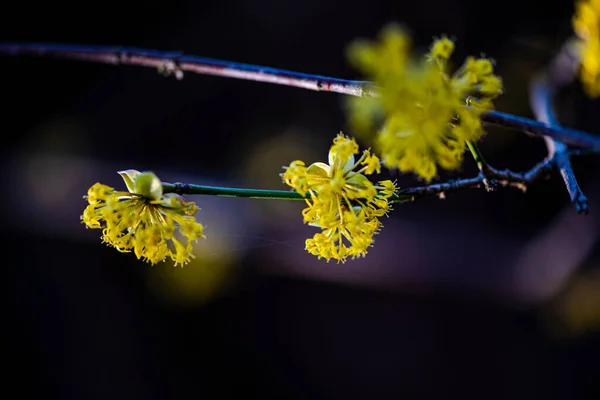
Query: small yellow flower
341, 200
143, 219
420, 112
586, 23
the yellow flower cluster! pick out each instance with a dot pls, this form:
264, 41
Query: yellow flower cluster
586, 24
422, 114
144, 219
341, 201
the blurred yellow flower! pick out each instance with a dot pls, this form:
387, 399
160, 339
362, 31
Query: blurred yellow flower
143, 219
420, 111
586, 23
341, 200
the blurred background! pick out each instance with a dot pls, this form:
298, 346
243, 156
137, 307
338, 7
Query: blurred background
481, 295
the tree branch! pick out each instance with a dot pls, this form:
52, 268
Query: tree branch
561, 71
176, 63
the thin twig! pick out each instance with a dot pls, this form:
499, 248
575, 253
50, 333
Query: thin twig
561, 71
501, 177
176, 63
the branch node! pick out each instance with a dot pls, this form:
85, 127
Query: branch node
323, 84
181, 188
490, 184
171, 68
123, 57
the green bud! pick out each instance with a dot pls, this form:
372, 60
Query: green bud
148, 185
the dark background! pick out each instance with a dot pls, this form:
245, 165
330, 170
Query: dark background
481, 295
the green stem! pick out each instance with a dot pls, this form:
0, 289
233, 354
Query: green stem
477, 156
185, 188
490, 184
191, 189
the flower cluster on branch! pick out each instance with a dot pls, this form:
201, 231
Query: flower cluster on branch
586, 24
423, 115
420, 113
341, 200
